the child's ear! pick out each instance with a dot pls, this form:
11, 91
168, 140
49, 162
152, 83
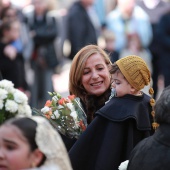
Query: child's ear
132, 90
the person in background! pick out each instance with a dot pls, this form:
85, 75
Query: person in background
43, 30
31, 143
164, 38
83, 25
153, 152
90, 80
121, 123
11, 60
155, 9
109, 44
129, 18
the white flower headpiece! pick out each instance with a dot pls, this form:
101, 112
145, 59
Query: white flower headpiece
50, 144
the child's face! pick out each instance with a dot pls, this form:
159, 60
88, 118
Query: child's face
14, 149
120, 84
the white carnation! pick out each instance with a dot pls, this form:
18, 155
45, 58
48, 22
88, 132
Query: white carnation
74, 114
24, 110
28, 110
20, 97
56, 115
71, 107
124, 165
1, 104
3, 94
11, 106
7, 85
45, 109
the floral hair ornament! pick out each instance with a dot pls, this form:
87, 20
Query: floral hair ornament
13, 102
50, 144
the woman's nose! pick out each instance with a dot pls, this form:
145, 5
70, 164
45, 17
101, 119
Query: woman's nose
95, 75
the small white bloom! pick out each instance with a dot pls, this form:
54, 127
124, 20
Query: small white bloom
55, 98
45, 109
71, 107
57, 115
24, 110
20, 97
11, 106
1, 104
60, 107
124, 165
74, 114
7, 85
28, 111
3, 94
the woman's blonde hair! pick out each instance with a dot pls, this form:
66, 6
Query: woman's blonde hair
77, 68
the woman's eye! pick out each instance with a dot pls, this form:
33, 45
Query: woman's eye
101, 68
86, 72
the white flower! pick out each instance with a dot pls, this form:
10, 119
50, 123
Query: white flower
3, 94
7, 85
124, 165
74, 114
70, 106
57, 115
24, 110
28, 111
45, 109
55, 98
20, 97
11, 106
1, 104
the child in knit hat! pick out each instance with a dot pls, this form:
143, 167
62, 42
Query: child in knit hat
130, 75
119, 125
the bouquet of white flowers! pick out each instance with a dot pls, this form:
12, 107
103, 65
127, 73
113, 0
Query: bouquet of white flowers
13, 102
65, 114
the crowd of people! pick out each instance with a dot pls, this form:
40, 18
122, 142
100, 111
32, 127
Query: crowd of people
117, 56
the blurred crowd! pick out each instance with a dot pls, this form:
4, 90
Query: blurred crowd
38, 35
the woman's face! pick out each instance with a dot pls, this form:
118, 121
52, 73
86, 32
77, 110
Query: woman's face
96, 76
15, 152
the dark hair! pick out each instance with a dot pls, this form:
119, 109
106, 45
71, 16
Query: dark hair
28, 128
114, 68
162, 107
6, 26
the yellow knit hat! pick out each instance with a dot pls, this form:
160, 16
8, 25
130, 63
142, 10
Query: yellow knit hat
135, 71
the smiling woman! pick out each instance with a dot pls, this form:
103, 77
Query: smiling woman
89, 79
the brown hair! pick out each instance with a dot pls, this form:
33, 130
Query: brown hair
75, 79
77, 68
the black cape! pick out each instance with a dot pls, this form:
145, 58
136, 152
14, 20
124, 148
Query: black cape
152, 153
116, 129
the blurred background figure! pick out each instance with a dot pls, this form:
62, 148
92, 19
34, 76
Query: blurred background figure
11, 58
155, 9
44, 59
109, 44
128, 18
164, 39
83, 25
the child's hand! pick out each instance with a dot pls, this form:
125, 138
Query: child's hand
10, 52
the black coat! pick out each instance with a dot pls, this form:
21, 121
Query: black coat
80, 29
152, 153
114, 132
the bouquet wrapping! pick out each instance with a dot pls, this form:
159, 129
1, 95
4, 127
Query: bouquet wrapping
13, 102
65, 114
